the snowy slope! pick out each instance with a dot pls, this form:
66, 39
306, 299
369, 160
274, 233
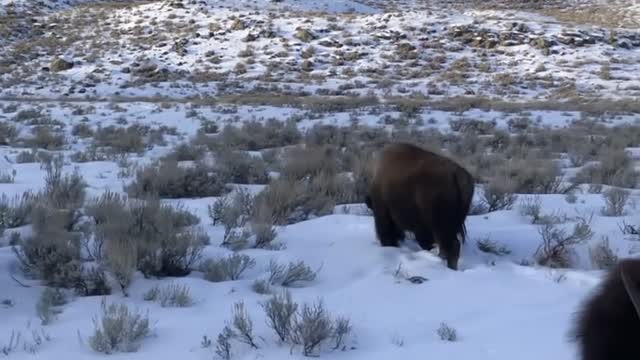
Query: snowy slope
500, 312
37, 7
500, 309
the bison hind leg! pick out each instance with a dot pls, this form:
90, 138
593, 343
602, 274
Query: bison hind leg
389, 234
449, 247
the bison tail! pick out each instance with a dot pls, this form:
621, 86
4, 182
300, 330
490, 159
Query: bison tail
465, 189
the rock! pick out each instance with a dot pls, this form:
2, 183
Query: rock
519, 27
390, 35
509, 43
267, 34
542, 43
176, 4
307, 65
238, 25
624, 43
250, 37
330, 43
180, 47
576, 38
565, 40
304, 35
59, 64
405, 47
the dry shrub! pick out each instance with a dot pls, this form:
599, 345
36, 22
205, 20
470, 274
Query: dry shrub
121, 252
533, 175
498, 194
579, 150
309, 184
313, 326
170, 295
154, 238
290, 201
8, 133
254, 135
492, 247
53, 252
283, 197
308, 162
532, 206
82, 130
234, 214
478, 127
615, 167
16, 211
63, 191
121, 140
615, 201
241, 168
187, 152
228, 268
118, 329
326, 134
362, 174
167, 179
168, 245
556, 249
290, 274
602, 256
46, 138
49, 303
466, 146
262, 226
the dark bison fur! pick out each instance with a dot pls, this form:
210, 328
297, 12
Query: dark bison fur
417, 190
607, 326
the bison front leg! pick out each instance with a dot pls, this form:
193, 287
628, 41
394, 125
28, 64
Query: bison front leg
424, 237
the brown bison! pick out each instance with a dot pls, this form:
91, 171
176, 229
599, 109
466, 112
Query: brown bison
608, 325
422, 192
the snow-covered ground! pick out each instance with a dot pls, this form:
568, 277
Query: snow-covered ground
500, 306
215, 48
499, 311
174, 66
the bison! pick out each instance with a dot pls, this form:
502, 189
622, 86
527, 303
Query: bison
428, 194
607, 325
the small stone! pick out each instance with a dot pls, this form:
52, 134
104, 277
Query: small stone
238, 25
59, 64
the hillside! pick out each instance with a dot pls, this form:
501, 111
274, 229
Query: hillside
193, 159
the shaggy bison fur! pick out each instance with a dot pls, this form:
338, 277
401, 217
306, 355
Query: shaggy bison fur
422, 192
607, 326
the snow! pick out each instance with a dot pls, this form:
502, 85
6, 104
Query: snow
502, 311
499, 308
502, 307
101, 62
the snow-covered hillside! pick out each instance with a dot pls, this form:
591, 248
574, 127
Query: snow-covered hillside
241, 135
210, 49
